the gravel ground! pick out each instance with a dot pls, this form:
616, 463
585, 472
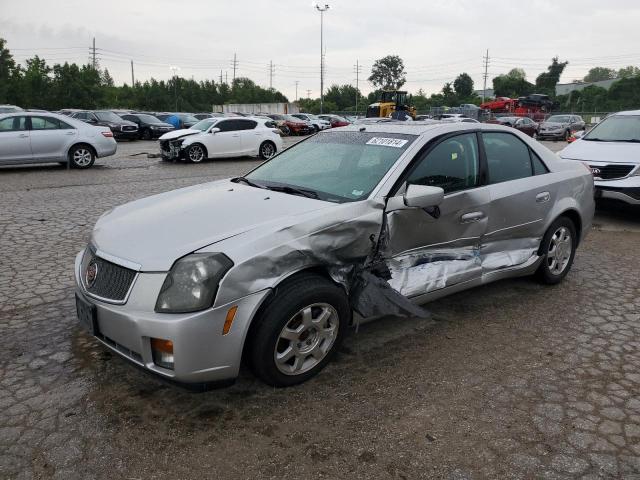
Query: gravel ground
511, 380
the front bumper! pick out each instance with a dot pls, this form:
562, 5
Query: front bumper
555, 134
127, 135
626, 190
201, 353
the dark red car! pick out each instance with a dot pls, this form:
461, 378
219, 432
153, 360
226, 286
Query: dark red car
524, 124
335, 120
290, 125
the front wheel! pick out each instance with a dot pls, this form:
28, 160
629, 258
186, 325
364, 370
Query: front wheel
267, 150
196, 153
558, 249
146, 134
81, 156
299, 331
286, 131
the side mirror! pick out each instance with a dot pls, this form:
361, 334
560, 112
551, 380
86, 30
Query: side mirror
423, 196
214, 130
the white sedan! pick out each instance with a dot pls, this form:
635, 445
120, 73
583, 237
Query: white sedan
222, 138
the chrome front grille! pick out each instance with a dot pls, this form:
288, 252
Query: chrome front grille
611, 171
128, 128
111, 282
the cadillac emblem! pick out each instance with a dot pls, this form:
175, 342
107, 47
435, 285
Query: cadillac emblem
91, 274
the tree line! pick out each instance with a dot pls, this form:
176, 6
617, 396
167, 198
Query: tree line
39, 85
68, 85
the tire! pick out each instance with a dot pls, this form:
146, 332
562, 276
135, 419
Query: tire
567, 136
146, 134
303, 325
196, 153
286, 131
81, 156
316, 128
267, 150
558, 251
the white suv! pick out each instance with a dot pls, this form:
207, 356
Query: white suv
612, 151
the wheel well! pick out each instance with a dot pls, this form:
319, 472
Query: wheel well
268, 141
82, 144
315, 270
574, 216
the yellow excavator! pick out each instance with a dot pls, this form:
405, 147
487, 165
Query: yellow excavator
391, 101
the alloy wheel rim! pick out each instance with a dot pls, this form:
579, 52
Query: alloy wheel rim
559, 251
82, 157
196, 153
267, 150
306, 339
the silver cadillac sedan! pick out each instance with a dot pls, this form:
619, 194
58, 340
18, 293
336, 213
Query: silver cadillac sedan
374, 219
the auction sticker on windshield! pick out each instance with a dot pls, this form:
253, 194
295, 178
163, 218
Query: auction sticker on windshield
387, 142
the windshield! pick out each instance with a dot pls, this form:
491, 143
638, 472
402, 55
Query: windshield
618, 128
291, 118
558, 119
108, 117
186, 117
203, 125
147, 118
337, 166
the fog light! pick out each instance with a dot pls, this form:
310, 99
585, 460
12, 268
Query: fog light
162, 351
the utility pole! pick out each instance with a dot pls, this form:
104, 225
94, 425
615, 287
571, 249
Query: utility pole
175, 69
220, 77
133, 81
271, 75
308, 94
226, 78
297, 82
93, 54
358, 70
322, 10
485, 75
235, 64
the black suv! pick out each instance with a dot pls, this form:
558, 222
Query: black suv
119, 127
149, 127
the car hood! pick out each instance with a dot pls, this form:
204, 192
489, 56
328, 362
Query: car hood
179, 134
155, 231
615, 152
553, 124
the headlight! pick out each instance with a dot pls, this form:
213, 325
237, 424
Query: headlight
154, 127
637, 172
192, 283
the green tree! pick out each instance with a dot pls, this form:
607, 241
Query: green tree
596, 74
7, 67
546, 82
629, 71
388, 73
344, 97
463, 86
513, 85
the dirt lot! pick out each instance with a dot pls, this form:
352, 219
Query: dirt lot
511, 380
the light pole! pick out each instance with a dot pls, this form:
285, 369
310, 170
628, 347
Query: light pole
321, 9
175, 69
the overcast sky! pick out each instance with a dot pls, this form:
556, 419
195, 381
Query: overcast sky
437, 39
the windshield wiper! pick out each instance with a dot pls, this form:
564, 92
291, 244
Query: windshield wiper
293, 190
594, 139
631, 140
246, 181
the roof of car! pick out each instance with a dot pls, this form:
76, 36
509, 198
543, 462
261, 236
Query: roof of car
628, 112
418, 127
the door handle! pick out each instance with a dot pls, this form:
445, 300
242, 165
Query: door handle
472, 217
543, 197
70, 133
236, 135
23, 135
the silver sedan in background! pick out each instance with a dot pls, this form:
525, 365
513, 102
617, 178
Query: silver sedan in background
373, 218
42, 137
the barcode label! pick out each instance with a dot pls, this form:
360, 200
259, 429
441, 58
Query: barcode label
388, 142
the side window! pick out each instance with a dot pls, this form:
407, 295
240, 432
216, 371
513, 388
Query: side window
12, 124
507, 157
81, 116
452, 165
539, 168
226, 125
44, 123
246, 124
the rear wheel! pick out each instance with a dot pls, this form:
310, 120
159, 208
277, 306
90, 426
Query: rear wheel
81, 156
267, 150
299, 331
146, 134
196, 153
285, 130
558, 249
